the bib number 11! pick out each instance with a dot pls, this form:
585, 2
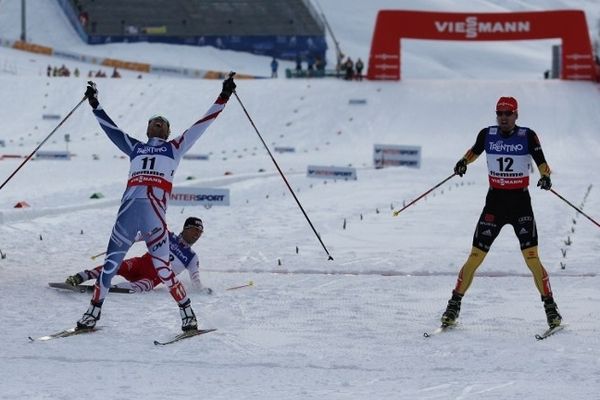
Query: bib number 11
148, 160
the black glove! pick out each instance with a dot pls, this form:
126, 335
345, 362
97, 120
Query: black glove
545, 182
228, 87
461, 167
92, 94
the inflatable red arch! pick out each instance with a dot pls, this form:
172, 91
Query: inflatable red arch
569, 26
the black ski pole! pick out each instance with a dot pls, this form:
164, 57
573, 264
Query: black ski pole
41, 144
282, 175
577, 209
423, 195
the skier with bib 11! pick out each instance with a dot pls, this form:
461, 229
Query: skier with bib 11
144, 202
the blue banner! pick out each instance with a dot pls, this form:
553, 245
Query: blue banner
281, 47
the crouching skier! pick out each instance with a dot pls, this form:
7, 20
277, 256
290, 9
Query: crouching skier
144, 202
139, 272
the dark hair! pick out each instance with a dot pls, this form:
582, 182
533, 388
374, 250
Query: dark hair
193, 222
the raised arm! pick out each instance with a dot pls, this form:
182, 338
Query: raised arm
186, 140
123, 141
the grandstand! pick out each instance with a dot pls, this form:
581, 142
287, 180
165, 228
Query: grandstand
278, 28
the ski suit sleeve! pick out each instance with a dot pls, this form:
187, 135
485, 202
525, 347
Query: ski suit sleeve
124, 142
475, 151
535, 149
194, 271
185, 141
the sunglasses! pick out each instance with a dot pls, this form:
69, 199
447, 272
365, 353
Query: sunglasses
504, 113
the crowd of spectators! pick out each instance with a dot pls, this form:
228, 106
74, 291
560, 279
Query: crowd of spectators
61, 71
66, 72
345, 68
315, 66
350, 69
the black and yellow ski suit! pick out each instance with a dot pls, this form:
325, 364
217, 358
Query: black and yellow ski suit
507, 202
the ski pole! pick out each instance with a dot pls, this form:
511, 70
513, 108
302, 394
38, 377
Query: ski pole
576, 209
283, 176
250, 283
423, 195
43, 141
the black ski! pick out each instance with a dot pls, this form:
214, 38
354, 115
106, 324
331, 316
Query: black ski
63, 334
549, 332
85, 288
184, 335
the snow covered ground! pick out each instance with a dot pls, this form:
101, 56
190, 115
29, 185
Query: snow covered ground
351, 328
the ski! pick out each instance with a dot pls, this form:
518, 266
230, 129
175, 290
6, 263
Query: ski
85, 288
184, 335
549, 332
63, 334
441, 329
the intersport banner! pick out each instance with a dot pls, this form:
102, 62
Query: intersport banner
569, 26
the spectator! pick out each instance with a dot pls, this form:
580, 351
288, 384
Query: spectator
339, 66
359, 69
349, 68
54, 71
84, 18
132, 30
310, 65
91, 74
49, 71
64, 71
298, 65
115, 73
76, 73
274, 67
320, 66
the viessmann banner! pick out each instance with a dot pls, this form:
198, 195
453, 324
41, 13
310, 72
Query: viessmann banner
569, 26
193, 196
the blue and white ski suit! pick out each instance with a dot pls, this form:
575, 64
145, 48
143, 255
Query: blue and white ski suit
144, 202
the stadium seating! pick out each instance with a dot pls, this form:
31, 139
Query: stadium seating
197, 21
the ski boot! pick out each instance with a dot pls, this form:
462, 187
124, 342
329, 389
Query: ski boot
90, 317
188, 318
552, 315
74, 280
452, 310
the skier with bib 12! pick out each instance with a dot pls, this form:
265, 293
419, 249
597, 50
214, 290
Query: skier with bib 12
509, 150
